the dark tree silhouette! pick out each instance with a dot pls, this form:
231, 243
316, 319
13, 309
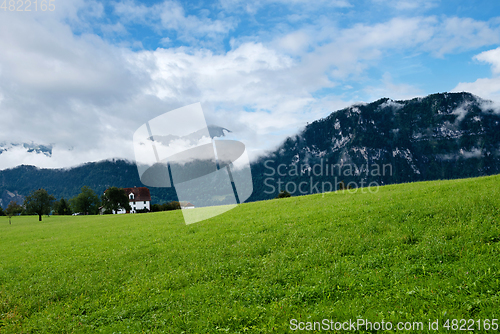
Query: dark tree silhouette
283, 194
115, 199
62, 207
87, 202
13, 209
39, 202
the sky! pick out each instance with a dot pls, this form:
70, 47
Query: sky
84, 76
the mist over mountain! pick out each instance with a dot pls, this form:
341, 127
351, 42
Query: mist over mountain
27, 147
441, 136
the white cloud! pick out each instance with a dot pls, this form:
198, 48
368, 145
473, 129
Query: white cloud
129, 11
349, 52
111, 29
170, 15
492, 57
457, 34
488, 88
251, 76
295, 42
59, 88
405, 5
165, 41
252, 7
173, 17
388, 88
83, 94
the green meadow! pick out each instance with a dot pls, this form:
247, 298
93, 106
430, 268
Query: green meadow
410, 252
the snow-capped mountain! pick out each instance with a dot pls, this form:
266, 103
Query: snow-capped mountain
27, 147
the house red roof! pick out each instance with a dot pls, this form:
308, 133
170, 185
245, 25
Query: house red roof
140, 194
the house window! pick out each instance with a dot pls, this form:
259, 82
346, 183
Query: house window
134, 202
144, 202
131, 196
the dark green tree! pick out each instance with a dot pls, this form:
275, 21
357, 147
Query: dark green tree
39, 202
283, 194
174, 205
156, 207
115, 199
87, 202
62, 207
2, 213
13, 209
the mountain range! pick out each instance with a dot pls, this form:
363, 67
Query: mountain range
441, 136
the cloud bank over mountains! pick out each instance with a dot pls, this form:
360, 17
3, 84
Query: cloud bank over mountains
84, 77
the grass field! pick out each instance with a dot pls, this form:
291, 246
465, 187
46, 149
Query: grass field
410, 252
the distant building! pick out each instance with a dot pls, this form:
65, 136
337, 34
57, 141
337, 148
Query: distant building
186, 205
139, 199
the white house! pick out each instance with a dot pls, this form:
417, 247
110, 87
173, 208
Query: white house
139, 198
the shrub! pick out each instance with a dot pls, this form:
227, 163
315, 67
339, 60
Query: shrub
283, 194
155, 208
174, 205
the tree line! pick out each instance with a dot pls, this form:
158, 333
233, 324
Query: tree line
40, 202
